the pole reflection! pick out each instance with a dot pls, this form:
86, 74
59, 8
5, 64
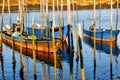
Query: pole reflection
116, 61
13, 60
14, 65
48, 74
43, 71
77, 60
71, 63
2, 65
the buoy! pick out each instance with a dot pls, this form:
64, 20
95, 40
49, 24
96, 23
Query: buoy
118, 41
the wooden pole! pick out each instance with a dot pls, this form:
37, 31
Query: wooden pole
94, 40
13, 56
26, 17
111, 42
42, 15
53, 41
2, 23
22, 15
69, 34
9, 13
62, 14
47, 20
21, 63
75, 28
68, 12
81, 53
100, 16
117, 14
59, 21
33, 45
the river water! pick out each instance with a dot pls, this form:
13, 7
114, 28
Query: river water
70, 67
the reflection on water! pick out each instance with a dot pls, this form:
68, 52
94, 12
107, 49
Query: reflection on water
102, 47
2, 65
46, 65
105, 48
14, 65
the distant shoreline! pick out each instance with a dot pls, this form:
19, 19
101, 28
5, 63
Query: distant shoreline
37, 7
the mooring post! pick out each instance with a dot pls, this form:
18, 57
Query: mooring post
111, 42
81, 53
34, 53
70, 37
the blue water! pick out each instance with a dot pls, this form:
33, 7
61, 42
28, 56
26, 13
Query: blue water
70, 68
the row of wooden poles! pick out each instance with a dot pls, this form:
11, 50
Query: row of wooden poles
110, 36
78, 45
33, 43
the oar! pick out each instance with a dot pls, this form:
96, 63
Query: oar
81, 53
53, 40
111, 42
34, 53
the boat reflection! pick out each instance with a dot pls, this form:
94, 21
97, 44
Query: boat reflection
62, 54
101, 46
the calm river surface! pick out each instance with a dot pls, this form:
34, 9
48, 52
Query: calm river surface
70, 68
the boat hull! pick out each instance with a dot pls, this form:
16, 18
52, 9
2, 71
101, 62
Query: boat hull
101, 35
43, 48
38, 32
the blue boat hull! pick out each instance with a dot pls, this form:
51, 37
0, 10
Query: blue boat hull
38, 32
101, 35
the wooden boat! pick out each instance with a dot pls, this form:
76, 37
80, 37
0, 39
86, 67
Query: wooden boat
41, 45
38, 32
101, 35
56, 31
